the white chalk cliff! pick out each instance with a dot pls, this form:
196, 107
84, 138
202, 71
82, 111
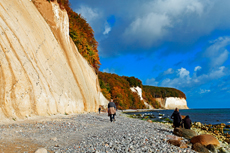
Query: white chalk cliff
41, 70
138, 90
173, 102
166, 103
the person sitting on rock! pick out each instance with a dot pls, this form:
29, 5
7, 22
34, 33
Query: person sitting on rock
111, 110
187, 122
176, 118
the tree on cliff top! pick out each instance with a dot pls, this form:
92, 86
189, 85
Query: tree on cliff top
118, 88
82, 35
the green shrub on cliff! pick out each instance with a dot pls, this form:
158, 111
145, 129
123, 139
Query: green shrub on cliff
162, 92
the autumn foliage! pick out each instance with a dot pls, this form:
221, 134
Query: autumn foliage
162, 92
118, 88
82, 35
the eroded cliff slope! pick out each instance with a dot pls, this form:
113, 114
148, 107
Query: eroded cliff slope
41, 71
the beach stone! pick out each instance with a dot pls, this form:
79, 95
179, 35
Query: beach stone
227, 135
186, 133
54, 139
198, 124
173, 137
205, 139
211, 147
199, 148
227, 126
222, 124
222, 150
177, 143
150, 121
41, 150
227, 140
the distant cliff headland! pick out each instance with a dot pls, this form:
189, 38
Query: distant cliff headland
50, 64
130, 93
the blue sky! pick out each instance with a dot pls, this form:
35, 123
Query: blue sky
168, 43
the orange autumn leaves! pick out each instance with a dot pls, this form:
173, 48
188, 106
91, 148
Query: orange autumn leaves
118, 88
82, 35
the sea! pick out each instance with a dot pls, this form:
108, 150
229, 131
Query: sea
205, 116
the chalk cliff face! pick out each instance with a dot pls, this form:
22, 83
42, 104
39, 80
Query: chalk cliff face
167, 103
138, 90
173, 102
41, 71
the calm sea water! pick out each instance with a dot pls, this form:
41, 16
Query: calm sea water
205, 116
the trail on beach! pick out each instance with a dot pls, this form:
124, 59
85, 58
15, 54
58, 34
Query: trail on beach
86, 133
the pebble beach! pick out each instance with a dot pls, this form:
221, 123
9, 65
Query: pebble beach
89, 132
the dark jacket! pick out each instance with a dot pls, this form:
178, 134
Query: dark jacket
111, 108
187, 122
111, 104
176, 118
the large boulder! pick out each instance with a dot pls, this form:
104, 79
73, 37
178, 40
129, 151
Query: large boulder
186, 133
199, 148
205, 139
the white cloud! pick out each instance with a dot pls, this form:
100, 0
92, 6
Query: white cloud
107, 29
156, 19
184, 79
219, 60
202, 91
151, 82
183, 73
215, 74
168, 71
197, 68
176, 7
148, 28
107, 70
217, 52
88, 13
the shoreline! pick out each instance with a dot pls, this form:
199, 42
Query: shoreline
89, 132
199, 128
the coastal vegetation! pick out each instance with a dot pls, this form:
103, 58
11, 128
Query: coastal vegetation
82, 35
118, 88
162, 92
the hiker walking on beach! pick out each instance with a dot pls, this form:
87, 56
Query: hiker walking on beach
111, 110
99, 110
176, 118
187, 122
